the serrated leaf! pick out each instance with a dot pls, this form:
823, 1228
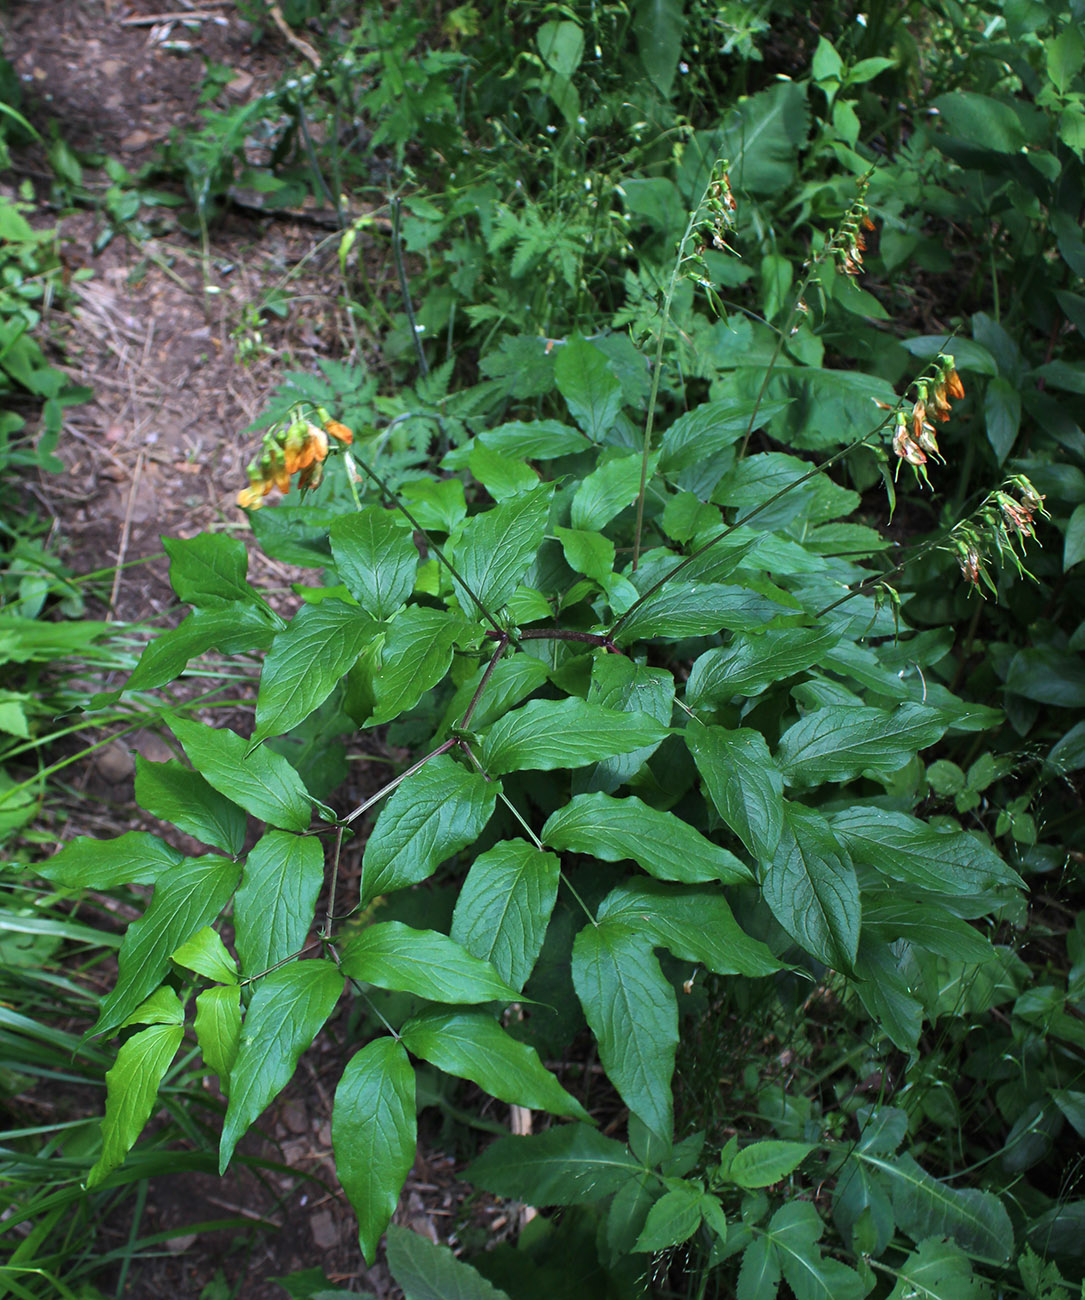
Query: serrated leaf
618, 682
938, 1270
763, 1163
663, 844
535, 439
592, 392
839, 744
218, 1029
188, 897
632, 1011
504, 907
743, 782
174, 793
131, 1093
232, 630
261, 782
376, 557
548, 734
392, 955
811, 888
472, 1045
694, 924
759, 1275
288, 1007
306, 661
606, 491
435, 812
495, 548
207, 955
674, 1218
374, 1134
135, 858
274, 907
426, 1271
566, 1165
753, 661
209, 569
417, 653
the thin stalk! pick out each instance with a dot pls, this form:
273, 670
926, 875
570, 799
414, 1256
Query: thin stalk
335, 879
405, 289
387, 789
503, 645
562, 634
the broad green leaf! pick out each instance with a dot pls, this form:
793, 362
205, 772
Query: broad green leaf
417, 652
763, 1163
694, 924
305, 664
374, 1133
618, 682
591, 391
514, 678
218, 1029
504, 907
587, 552
472, 1045
437, 505
435, 812
274, 907
660, 842
232, 630
839, 744
1002, 415
209, 569
906, 849
759, 1276
131, 1093
135, 858
743, 782
794, 1231
674, 1218
568, 1164
763, 135
295, 534
495, 548
174, 793
261, 782
186, 898
938, 1270
535, 439
500, 475
658, 26
163, 1007
287, 1010
376, 557
1074, 545
811, 888
562, 46
207, 955
752, 662
1048, 675
886, 993
606, 491
889, 917
392, 955
1068, 752
633, 1013
981, 121
774, 489
696, 448
547, 734
426, 1271
682, 609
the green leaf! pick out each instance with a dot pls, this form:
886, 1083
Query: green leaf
261, 782
495, 548
696, 448
131, 1093
906, 849
438, 505
512, 680
295, 534
218, 1029
763, 136
174, 793
1074, 545
163, 1007
1002, 414
592, 392
135, 858
826, 63
752, 662
417, 653
504, 907
886, 993
674, 1218
274, 907
663, 844
1068, 753
207, 955
658, 26
926, 925
392, 955
763, 1163
562, 46
288, 1008
569, 1164
694, 924
426, 1271
633, 1013
743, 782
374, 1133
759, 1276
472, 1045
587, 552
500, 475
682, 609
209, 569
605, 492
234, 630
186, 898
795, 1229
1048, 675
839, 744
435, 812
305, 663
376, 557
938, 1270
535, 439
618, 682
981, 121
811, 888
545, 734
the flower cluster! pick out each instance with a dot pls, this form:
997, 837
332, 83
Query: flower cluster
848, 244
295, 447
914, 439
1001, 524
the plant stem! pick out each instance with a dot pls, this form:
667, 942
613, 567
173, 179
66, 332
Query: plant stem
503, 645
387, 789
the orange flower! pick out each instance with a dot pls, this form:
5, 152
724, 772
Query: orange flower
341, 431
954, 387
